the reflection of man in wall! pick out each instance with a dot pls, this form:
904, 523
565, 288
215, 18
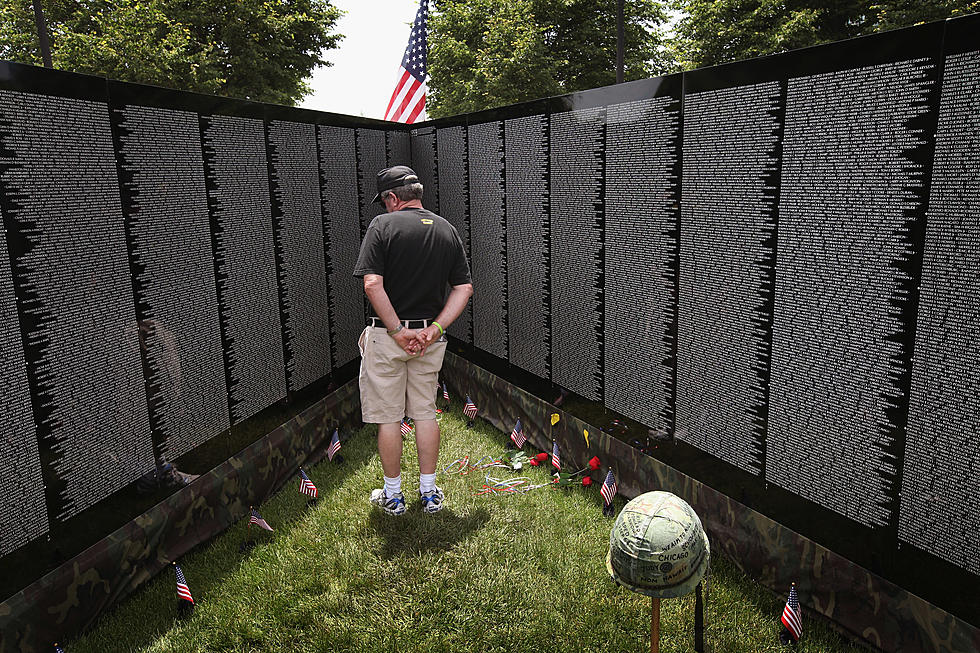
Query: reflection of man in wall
409, 259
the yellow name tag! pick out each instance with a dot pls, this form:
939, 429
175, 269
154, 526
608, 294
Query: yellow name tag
425, 220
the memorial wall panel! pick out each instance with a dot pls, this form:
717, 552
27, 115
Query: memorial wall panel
576, 250
371, 159
642, 216
295, 184
841, 285
424, 165
488, 237
527, 252
728, 202
23, 512
941, 473
455, 206
237, 174
170, 237
338, 168
67, 241
399, 144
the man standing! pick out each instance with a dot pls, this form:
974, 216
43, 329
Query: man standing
409, 259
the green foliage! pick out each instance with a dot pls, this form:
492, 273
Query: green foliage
517, 573
487, 53
711, 32
261, 50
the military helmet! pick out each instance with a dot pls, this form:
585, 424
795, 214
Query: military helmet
657, 546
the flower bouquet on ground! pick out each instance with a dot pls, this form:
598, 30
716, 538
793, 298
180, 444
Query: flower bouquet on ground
566, 479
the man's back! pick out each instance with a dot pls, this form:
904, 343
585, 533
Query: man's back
419, 254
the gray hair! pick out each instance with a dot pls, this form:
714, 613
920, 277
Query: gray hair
406, 193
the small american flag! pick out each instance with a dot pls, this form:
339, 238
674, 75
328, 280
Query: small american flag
792, 618
58, 649
469, 409
306, 485
183, 592
608, 489
334, 445
517, 435
555, 460
407, 103
256, 519
445, 392
406, 427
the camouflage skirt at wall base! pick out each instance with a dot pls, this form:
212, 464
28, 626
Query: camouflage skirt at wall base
70, 599
864, 605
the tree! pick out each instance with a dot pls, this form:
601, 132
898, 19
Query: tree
262, 50
711, 32
487, 53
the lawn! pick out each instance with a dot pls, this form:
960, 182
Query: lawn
518, 572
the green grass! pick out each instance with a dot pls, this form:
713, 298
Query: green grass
506, 573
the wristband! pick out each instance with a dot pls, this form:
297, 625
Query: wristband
441, 330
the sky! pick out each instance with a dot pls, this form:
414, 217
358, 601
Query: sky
365, 66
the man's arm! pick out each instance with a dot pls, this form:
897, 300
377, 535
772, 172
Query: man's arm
374, 288
455, 303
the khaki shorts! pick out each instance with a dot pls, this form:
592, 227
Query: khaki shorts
395, 384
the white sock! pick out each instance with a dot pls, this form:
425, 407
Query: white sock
393, 486
427, 483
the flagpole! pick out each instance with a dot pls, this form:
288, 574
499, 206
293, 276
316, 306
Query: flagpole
654, 625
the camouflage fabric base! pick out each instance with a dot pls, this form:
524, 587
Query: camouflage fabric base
70, 599
861, 604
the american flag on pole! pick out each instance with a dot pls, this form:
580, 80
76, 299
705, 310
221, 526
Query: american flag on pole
406, 427
306, 485
792, 618
183, 593
445, 392
608, 490
58, 649
407, 103
256, 519
469, 408
334, 445
517, 435
555, 460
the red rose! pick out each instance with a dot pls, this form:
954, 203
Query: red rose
587, 481
541, 457
534, 461
594, 463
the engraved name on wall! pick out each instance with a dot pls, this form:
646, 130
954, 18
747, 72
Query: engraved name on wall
64, 225
303, 275
454, 204
527, 243
941, 480
338, 167
248, 296
488, 257
844, 237
642, 214
576, 250
168, 222
727, 226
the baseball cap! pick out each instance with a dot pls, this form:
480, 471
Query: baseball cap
394, 177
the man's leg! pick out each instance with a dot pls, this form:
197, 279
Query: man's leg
427, 444
390, 448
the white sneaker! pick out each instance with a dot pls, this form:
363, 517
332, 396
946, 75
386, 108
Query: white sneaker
432, 501
393, 505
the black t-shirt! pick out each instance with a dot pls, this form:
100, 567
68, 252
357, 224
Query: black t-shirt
420, 255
